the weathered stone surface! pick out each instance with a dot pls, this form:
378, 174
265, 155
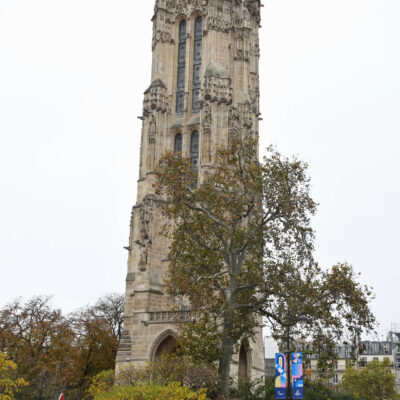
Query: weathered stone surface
229, 106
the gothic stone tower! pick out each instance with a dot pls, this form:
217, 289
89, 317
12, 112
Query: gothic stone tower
204, 89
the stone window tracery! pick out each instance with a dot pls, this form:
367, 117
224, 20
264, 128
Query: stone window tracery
194, 150
197, 61
178, 143
180, 86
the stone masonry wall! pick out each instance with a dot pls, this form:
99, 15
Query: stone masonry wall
229, 106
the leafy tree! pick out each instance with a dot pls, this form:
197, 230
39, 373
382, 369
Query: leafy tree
9, 383
332, 304
376, 381
97, 330
95, 341
57, 353
111, 308
39, 340
242, 249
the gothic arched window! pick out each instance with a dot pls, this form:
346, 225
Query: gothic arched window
180, 86
178, 143
194, 150
198, 50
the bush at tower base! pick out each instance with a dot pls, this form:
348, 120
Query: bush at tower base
173, 391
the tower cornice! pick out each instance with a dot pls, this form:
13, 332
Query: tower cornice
208, 7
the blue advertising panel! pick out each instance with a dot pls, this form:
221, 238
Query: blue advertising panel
280, 376
297, 376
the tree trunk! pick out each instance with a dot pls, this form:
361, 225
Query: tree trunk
226, 356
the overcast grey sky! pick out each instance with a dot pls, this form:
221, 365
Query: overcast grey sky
72, 77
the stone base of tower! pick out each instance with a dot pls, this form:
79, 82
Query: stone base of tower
148, 336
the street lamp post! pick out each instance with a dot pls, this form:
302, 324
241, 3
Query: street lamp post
288, 361
301, 319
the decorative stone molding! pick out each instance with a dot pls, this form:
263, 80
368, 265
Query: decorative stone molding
246, 116
222, 15
162, 37
217, 84
181, 7
162, 317
254, 8
155, 98
188, 7
163, 22
254, 92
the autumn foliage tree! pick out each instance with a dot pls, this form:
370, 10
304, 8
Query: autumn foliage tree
10, 384
57, 353
96, 343
38, 338
242, 249
332, 304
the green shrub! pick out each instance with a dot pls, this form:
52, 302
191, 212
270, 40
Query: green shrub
170, 369
100, 383
319, 391
259, 391
254, 390
173, 391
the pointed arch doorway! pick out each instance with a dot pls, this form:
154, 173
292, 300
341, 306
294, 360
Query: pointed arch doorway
166, 343
244, 364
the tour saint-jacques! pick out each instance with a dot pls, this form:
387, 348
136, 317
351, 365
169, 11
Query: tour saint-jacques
204, 91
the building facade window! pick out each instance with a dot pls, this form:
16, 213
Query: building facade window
180, 86
197, 62
347, 352
335, 379
178, 143
363, 361
386, 348
194, 150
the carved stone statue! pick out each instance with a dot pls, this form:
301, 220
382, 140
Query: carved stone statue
152, 130
145, 241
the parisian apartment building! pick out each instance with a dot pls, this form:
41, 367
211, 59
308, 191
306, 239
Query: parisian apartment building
371, 350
